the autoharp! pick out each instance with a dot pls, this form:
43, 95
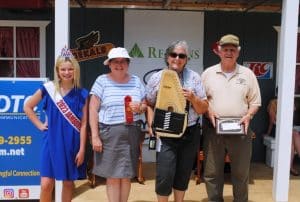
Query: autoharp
170, 115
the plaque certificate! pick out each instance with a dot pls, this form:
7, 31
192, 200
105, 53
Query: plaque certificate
229, 126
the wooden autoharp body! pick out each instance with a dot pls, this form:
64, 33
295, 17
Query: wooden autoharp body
170, 115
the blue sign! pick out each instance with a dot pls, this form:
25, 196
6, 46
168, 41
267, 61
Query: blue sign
20, 140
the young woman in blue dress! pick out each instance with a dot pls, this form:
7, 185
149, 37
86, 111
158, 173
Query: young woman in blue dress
63, 148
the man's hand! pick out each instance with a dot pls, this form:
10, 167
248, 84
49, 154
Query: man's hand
246, 121
212, 116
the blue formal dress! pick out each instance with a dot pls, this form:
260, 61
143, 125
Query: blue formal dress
61, 142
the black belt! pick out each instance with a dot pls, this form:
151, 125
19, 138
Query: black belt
192, 126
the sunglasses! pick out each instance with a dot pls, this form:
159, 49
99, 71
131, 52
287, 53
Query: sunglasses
180, 55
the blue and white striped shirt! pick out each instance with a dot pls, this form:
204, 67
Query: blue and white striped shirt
111, 95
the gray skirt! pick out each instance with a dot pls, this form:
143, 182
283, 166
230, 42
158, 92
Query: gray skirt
120, 153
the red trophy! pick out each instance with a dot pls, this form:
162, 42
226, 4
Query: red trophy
128, 111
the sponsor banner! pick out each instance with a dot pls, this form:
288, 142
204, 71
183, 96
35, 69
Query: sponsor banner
262, 70
93, 52
88, 47
20, 140
147, 34
19, 192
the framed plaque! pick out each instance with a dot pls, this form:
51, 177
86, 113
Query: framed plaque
229, 126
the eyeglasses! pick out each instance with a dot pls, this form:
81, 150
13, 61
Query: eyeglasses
180, 55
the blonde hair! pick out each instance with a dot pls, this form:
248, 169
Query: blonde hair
75, 64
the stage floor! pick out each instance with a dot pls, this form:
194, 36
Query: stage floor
260, 187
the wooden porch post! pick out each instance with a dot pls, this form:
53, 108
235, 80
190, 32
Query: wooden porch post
61, 40
286, 83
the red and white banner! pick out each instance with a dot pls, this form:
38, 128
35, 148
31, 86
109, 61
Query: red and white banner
262, 70
63, 106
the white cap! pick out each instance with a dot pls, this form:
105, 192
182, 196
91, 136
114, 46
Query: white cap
116, 53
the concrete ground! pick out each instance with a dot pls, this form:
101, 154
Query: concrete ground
260, 187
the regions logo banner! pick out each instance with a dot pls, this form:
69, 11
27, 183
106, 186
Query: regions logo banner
20, 140
262, 70
147, 36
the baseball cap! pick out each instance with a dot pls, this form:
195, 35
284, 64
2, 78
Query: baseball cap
116, 53
229, 39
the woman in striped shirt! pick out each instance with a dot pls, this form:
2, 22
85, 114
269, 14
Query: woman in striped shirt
115, 138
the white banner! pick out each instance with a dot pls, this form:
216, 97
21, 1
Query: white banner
149, 32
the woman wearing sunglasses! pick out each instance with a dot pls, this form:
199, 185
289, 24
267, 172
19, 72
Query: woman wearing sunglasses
175, 156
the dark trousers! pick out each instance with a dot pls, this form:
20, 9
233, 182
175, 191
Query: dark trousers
239, 148
174, 162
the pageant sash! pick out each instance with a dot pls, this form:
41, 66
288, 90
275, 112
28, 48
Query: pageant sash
62, 106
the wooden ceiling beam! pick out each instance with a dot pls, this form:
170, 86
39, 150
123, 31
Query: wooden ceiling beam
174, 5
82, 3
166, 3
